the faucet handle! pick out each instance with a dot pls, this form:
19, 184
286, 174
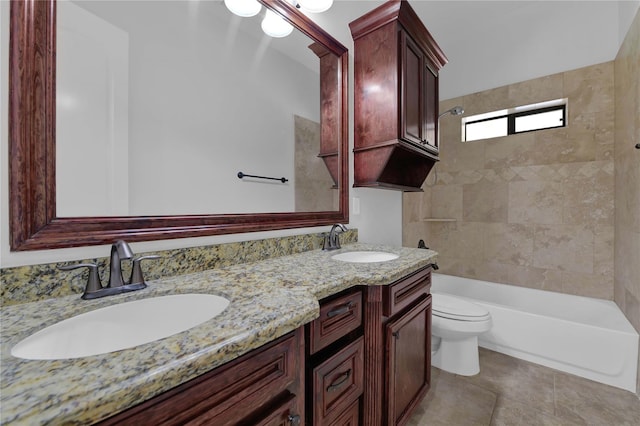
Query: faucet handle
136, 269
93, 281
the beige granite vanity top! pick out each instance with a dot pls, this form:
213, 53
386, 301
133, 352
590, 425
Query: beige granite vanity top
268, 299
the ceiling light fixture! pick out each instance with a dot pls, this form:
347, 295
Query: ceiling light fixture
244, 8
273, 25
315, 6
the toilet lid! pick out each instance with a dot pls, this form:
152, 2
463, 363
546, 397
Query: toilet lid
448, 306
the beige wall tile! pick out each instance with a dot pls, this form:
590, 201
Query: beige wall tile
443, 238
446, 202
535, 201
413, 232
627, 178
632, 307
487, 101
627, 191
603, 252
589, 200
450, 103
589, 89
627, 259
537, 90
459, 156
540, 278
563, 247
537, 206
508, 243
602, 125
565, 145
492, 271
470, 240
589, 285
412, 206
485, 202
515, 150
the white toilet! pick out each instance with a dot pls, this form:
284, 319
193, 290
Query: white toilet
455, 326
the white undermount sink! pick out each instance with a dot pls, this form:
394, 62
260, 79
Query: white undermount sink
120, 326
364, 256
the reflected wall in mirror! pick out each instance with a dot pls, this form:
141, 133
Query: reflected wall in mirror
158, 106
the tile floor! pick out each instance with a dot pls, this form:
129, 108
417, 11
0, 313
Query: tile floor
509, 391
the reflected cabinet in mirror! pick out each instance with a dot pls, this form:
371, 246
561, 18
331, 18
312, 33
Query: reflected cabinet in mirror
148, 120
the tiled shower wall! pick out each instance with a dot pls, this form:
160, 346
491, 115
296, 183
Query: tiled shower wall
534, 209
627, 177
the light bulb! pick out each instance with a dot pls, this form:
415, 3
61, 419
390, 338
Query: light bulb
315, 6
273, 25
244, 8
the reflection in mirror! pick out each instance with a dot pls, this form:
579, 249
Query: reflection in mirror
36, 223
161, 103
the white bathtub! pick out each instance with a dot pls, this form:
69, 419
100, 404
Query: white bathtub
587, 337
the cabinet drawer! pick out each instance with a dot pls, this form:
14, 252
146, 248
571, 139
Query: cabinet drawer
350, 417
337, 318
404, 292
225, 395
337, 383
282, 415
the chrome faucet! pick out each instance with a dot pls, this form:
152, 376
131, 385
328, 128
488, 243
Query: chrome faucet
332, 240
119, 250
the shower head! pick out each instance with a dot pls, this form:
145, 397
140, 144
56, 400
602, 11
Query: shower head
456, 110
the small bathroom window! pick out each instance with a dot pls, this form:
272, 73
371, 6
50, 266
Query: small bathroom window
527, 118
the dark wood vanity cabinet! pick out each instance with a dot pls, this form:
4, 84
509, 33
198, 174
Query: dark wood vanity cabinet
395, 98
263, 387
407, 361
366, 360
419, 96
335, 361
398, 348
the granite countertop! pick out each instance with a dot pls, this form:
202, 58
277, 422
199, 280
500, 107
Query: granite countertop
269, 299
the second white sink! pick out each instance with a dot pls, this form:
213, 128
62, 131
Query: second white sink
120, 326
364, 256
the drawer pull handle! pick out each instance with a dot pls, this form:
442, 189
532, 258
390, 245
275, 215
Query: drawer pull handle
342, 309
396, 334
294, 420
341, 380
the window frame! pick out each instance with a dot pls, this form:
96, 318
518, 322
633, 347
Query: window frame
511, 120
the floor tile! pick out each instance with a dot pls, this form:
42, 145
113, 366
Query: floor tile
516, 379
452, 401
509, 391
509, 412
592, 403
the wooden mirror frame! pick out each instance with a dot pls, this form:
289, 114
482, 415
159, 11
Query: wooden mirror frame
32, 129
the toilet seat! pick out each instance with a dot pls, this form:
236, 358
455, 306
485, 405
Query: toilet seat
451, 307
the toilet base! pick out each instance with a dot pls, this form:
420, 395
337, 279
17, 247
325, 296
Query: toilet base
458, 356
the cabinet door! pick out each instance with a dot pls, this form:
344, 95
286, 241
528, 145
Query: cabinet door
408, 361
411, 89
430, 94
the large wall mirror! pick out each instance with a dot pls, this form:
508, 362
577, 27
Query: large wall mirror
134, 119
